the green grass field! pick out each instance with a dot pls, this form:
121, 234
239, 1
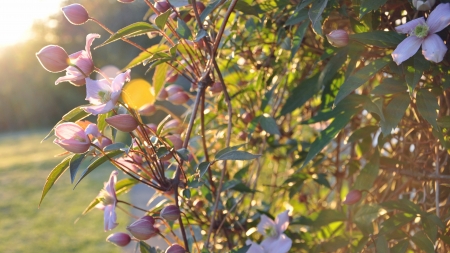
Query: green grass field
57, 226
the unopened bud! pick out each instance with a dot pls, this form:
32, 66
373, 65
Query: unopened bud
149, 218
162, 95
176, 141
126, 1
142, 229
423, 5
199, 204
338, 38
352, 197
173, 126
147, 110
200, 7
171, 77
173, 89
170, 213
119, 239
76, 14
123, 122
53, 58
247, 117
175, 248
216, 88
162, 6
178, 98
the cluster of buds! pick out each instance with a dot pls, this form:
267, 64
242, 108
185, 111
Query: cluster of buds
173, 93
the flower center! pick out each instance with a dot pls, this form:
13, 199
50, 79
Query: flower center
270, 231
421, 31
105, 96
105, 198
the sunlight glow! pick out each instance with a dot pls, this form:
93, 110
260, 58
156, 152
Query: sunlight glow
17, 17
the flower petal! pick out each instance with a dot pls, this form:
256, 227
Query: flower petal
110, 187
93, 129
120, 80
67, 78
89, 39
109, 217
254, 248
439, 18
282, 221
99, 109
69, 130
433, 48
409, 26
264, 224
407, 48
94, 87
73, 146
280, 245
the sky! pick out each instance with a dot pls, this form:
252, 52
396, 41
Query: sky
17, 17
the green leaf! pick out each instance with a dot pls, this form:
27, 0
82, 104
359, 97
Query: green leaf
183, 30
74, 164
298, 38
138, 28
159, 77
427, 105
413, 69
226, 150
400, 247
203, 168
115, 146
423, 242
382, 244
183, 153
236, 155
161, 20
321, 179
404, 205
300, 94
209, 8
297, 17
362, 133
368, 174
360, 77
101, 122
444, 121
365, 216
269, 124
429, 228
146, 55
54, 176
327, 135
315, 14
145, 248
394, 112
336, 62
395, 222
389, 86
382, 39
328, 216
97, 163
241, 187
246, 8
370, 5
241, 250
200, 35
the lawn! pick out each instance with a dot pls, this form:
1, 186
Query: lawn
57, 226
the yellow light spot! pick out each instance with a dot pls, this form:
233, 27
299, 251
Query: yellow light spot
137, 93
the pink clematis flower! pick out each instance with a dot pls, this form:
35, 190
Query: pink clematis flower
423, 33
108, 202
72, 137
102, 95
81, 60
276, 240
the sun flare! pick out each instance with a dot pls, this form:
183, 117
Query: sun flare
17, 17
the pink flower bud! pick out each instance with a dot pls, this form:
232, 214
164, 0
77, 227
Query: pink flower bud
149, 218
170, 213
423, 5
119, 239
338, 38
162, 95
176, 141
200, 7
76, 14
126, 1
162, 6
175, 248
147, 110
53, 58
173, 89
122, 122
152, 18
173, 126
143, 229
171, 77
178, 98
216, 88
247, 117
153, 127
352, 197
